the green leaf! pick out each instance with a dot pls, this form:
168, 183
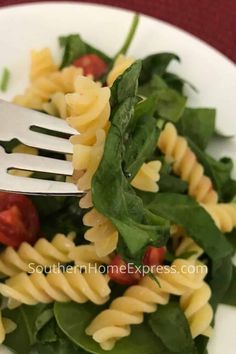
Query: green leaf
22, 339
155, 64
171, 326
63, 346
130, 36
75, 47
73, 319
5, 79
170, 103
142, 144
198, 124
172, 184
230, 296
220, 278
126, 85
185, 211
175, 82
112, 194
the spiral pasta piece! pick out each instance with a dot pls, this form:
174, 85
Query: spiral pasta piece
197, 310
43, 253
86, 159
6, 326
183, 244
102, 233
147, 177
121, 64
114, 323
185, 165
223, 214
44, 87
89, 109
56, 286
86, 255
42, 64
57, 106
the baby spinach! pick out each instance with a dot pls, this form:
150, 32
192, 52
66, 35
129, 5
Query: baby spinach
130, 36
230, 296
142, 143
112, 194
170, 103
198, 124
171, 184
185, 211
220, 277
171, 326
25, 317
73, 319
75, 47
155, 64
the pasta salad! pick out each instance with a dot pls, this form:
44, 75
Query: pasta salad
141, 261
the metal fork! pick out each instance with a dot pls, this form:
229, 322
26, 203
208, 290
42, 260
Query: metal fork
17, 122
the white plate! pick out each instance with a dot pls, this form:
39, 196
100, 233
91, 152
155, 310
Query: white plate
27, 27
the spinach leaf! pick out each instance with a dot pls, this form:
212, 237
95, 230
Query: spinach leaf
198, 124
75, 47
62, 346
22, 339
230, 296
220, 278
171, 184
229, 190
170, 103
126, 85
155, 64
73, 319
112, 194
185, 211
175, 82
231, 237
130, 36
142, 143
171, 326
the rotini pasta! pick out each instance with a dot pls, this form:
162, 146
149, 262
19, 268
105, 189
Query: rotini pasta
86, 159
121, 64
147, 177
89, 109
42, 64
6, 326
43, 253
102, 233
197, 310
223, 214
56, 286
57, 106
114, 323
86, 255
44, 87
185, 165
184, 245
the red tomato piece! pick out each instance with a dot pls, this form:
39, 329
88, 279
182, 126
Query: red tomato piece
91, 64
19, 220
154, 256
120, 272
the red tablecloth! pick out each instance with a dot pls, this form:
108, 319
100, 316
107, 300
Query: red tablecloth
211, 20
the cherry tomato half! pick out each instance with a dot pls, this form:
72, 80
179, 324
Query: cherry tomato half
120, 273
92, 64
19, 220
154, 256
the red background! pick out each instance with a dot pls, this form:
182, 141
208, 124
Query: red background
211, 20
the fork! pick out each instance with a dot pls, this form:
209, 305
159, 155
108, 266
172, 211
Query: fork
17, 123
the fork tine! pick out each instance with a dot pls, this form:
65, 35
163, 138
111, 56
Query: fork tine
25, 185
46, 142
55, 124
39, 163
